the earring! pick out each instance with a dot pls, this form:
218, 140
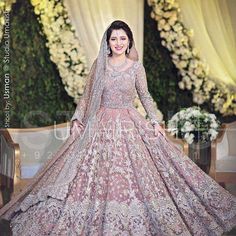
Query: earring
108, 50
128, 50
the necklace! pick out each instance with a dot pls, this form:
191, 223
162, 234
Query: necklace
116, 68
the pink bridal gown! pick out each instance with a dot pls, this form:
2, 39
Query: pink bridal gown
128, 181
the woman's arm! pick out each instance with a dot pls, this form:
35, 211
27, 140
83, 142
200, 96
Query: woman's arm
144, 95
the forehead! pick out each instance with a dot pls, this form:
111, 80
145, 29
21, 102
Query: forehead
118, 33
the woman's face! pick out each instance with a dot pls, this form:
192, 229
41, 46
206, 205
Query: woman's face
118, 42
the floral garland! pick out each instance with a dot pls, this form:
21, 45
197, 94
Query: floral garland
5, 6
63, 45
194, 72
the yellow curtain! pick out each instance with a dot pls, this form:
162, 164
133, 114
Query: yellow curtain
91, 17
213, 22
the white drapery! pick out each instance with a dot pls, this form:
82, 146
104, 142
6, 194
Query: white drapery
214, 25
91, 18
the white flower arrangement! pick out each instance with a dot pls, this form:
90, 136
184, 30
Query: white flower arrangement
63, 45
176, 38
193, 124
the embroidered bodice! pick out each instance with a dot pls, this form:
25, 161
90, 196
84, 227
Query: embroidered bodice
120, 91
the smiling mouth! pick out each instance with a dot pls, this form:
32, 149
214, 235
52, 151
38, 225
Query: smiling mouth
118, 48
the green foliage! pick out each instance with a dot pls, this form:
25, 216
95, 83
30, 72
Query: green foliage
37, 95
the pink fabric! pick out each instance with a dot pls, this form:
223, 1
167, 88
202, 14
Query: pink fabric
128, 181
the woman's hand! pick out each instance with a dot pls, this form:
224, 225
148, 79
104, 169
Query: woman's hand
157, 129
76, 126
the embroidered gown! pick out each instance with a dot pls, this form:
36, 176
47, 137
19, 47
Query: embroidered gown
128, 181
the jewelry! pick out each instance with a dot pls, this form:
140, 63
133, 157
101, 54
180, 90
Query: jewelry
128, 50
115, 72
154, 122
116, 67
108, 51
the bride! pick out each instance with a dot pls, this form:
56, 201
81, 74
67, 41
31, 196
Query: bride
117, 173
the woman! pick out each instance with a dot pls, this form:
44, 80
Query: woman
117, 174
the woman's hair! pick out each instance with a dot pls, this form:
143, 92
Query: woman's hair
118, 24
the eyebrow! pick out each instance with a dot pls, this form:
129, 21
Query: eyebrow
120, 36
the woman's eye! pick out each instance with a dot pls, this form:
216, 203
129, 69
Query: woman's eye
113, 39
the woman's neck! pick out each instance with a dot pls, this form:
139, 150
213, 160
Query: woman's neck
117, 59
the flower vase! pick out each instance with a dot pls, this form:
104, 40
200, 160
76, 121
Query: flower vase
200, 153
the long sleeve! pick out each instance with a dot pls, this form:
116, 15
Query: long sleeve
144, 95
83, 101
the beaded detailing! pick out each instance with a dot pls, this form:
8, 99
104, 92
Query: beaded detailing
116, 106
117, 67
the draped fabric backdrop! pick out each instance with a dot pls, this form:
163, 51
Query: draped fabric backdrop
213, 22
91, 18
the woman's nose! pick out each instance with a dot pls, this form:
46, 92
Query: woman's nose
118, 42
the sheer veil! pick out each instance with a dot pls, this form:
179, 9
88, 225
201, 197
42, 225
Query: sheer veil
54, 180
98, 76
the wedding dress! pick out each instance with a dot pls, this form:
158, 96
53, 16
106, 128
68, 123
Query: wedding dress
124, 181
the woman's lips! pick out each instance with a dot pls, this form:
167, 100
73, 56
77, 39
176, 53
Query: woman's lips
118, 49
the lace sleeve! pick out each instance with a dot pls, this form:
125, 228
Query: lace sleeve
83, 101
144, 95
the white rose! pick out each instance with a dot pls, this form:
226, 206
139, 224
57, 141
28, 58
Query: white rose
214, 125
189, 138
213, 134
181, 85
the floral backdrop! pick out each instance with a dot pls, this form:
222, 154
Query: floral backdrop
177, 39
191, 72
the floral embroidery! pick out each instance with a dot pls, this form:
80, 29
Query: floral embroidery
126, 181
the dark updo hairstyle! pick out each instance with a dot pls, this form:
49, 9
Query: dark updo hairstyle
118, 24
